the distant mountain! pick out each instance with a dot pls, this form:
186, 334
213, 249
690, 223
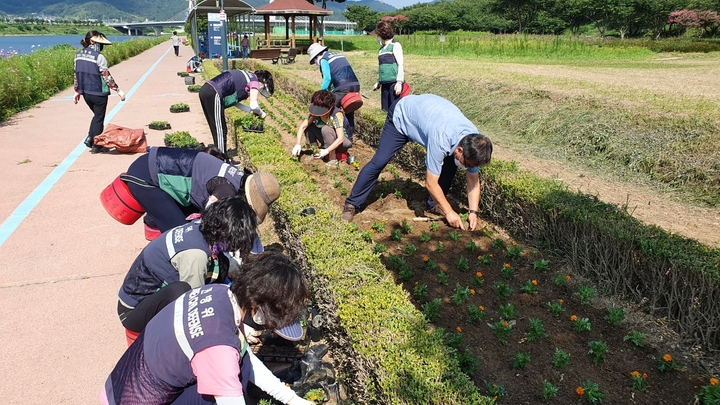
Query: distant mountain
139, 10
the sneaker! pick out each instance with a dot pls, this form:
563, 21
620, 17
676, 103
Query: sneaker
332, 163
99, 149
435, 211
348, 212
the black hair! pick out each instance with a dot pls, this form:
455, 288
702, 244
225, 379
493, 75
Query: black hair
215, 151
174, 32
266, 78
477, 149
272, 283
230, 224
85, 42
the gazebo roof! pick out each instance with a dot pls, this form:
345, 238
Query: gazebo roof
231, 7
292, 7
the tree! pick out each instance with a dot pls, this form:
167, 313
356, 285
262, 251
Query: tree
523, 12
324, 2
365, 18
397, 21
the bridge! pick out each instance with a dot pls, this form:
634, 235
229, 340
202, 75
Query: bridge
139, 28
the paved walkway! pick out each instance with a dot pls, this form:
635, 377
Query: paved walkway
62, 257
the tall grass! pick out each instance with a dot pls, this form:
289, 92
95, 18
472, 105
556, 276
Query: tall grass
26, 80
502, 46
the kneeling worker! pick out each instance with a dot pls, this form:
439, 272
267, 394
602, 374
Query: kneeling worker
327, 127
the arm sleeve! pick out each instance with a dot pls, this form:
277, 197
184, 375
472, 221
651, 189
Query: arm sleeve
266, 381
217, 369
191, 264
400, 58
102, 64
325, 68
220, 187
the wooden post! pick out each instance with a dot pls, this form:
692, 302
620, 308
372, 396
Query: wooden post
267, 30
292, 40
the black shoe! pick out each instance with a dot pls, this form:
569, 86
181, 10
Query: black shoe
89, 141
99, 149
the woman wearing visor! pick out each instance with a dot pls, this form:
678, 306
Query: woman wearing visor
327, 127
228, 89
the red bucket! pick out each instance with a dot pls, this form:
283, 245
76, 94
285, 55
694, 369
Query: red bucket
405, 90
120, 203
351, 102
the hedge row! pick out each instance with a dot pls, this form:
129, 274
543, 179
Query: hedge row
671, 276
386, 350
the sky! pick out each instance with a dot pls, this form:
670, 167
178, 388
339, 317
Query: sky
403, 3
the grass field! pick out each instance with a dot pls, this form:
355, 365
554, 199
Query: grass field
635, 115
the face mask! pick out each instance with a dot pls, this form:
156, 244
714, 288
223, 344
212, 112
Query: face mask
460, 165
379, 41
258, 317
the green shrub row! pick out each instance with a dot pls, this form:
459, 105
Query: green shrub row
26, 80
386, 350
673, 277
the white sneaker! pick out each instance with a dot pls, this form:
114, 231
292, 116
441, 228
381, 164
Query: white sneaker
332, 163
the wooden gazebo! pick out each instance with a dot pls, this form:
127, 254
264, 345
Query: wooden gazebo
290, 9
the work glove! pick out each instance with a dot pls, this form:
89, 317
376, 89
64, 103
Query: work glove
398, 88
300, 401
376, 86
296, 150
121, 94
322, 154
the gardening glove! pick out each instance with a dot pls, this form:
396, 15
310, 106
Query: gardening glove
296, 150
398, 87
76, 98
322, 154
376, 86
121, 94
300, 401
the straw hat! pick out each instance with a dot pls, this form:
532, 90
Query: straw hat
261, 189
100, 39
315, 50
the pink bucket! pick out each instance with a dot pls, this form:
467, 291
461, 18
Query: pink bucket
120, 203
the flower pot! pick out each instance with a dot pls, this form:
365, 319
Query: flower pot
190, 80
159, 127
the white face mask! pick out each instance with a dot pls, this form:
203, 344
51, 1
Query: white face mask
379, 40
258, 317
460, 165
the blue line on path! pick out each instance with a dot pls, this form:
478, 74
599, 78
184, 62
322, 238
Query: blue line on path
23, 210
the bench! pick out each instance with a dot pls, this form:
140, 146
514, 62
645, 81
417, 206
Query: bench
272, 54
290, 57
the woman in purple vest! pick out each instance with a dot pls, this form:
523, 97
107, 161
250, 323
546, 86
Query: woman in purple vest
194, 351
93, 81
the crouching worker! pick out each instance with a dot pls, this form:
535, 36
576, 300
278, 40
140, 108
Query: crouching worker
183, 258
327, 127
194, 65
172, 183
194, 352
228, 89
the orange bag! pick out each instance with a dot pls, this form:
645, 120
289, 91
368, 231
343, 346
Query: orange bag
124, 140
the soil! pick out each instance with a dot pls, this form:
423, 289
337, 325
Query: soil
398, 199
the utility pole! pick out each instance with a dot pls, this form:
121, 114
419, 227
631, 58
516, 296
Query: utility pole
223, 35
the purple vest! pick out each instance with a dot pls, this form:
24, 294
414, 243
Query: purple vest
155, 369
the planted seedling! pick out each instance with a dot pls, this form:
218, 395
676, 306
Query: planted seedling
536, 331
462, 264
508, 311
561, 358
440, 247
406, 227
637, 338
434, 226
503, 290
410, 248
461, 295
475, 313
454, 236
431, 309
521, 360
541, 265
615, 316
425, 237
396, 235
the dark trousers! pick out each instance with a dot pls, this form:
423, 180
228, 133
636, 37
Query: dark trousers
98, 105
215, 115
387, 95
177, 50
136, 319
163, 212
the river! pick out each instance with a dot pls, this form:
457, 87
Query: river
20, 44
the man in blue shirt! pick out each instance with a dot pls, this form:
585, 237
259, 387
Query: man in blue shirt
451, 141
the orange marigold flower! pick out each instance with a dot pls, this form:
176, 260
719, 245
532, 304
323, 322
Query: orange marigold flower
472, 292
372, 231
567, 277
667, 358
713, 381
504, 324
478, 274
480, 307
507, 265
573, 318
459, 329
426, 259
644, 375
579, 391
534, 282
561, 301
635, 374
514, 243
